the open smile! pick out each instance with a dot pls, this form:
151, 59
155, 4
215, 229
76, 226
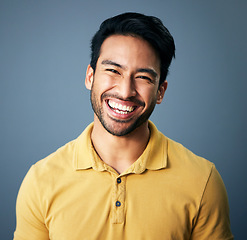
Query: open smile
121, 109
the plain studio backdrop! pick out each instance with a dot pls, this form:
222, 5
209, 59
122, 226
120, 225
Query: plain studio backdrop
44, 103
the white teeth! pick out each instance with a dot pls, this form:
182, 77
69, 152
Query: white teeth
121, 112
119, 108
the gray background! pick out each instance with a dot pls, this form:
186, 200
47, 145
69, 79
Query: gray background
44, 104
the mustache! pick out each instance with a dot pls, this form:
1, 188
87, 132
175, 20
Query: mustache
130, 99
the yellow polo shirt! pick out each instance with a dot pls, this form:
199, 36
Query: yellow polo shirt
168, 193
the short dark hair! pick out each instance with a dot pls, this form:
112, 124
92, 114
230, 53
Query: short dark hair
148, 28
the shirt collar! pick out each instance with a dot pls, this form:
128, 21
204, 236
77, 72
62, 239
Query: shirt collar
154, 156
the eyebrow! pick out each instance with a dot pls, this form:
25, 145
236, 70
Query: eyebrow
148, 70
142, 70
109, 62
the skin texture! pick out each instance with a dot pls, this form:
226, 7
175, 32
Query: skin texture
124, 91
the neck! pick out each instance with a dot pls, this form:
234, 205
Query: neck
119, 152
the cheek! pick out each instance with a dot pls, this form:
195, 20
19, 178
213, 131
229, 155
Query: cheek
148, 94
104, 82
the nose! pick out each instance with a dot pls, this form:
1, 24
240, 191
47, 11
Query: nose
127, 88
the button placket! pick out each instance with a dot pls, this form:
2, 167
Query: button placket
118, 200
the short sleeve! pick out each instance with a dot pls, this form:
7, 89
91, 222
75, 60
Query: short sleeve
213, 220
29, 217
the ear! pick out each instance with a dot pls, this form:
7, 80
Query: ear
161, 92
89, 77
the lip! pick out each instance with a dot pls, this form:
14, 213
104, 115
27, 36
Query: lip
118, 115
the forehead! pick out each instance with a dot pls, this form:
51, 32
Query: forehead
129, 50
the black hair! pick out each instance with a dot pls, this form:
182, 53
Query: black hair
148, 28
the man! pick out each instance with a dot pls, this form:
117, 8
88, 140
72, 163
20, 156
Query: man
122, 178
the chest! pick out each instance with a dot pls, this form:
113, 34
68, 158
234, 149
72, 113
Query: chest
130, 207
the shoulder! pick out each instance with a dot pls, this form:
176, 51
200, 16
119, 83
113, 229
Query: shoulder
45, 177
180, 160
190, 171
54, 165
181, 157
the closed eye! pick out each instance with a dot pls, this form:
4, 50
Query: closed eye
146, 78
112, 70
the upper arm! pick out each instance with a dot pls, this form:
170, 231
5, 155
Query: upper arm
29, 216
213, 220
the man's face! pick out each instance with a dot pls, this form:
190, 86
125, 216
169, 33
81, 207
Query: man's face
125, 85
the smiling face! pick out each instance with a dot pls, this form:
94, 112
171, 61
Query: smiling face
125, 85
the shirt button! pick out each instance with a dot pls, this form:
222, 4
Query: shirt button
119, 180
118, 204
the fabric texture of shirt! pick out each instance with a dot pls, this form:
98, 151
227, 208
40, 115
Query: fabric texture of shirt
167, 193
